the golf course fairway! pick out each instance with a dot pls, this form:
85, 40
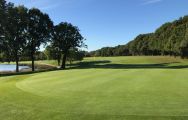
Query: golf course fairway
104, 88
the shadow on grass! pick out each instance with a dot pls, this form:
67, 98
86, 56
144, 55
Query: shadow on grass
109, 65
26, 73
105, 64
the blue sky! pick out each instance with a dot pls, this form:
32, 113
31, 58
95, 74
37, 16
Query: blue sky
111, 22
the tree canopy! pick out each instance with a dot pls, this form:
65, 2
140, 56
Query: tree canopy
169, 39
66, 36
23, 31
39, 31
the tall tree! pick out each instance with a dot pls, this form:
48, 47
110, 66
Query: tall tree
39, 31
16, 31
3, 10
169, 39
67, 36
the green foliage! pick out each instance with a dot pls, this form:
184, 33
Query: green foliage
23, 31
75, 55
169, 39
5, 50
16, 33
66, 37
40, 29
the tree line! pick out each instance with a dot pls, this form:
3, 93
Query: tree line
23, 31
169, 39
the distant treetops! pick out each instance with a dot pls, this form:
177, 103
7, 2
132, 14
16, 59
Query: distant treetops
23, 31
169, 39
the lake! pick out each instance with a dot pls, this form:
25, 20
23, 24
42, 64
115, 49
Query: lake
8, 67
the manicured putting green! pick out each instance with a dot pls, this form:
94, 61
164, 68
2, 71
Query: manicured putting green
130, 88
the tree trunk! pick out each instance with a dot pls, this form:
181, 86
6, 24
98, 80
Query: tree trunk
33, 55
17, 63
33, 60
70, 63
58, 60
64, 60
33, 64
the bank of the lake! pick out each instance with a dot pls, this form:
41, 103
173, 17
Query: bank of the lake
10, 69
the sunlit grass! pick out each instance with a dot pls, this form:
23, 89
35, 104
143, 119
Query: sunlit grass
130, 88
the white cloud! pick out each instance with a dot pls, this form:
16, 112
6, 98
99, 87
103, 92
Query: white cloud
146, 2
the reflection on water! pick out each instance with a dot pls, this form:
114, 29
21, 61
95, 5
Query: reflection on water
7, 67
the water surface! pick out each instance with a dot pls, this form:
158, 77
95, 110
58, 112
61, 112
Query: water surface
8, 67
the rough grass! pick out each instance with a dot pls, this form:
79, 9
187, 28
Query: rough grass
111, 88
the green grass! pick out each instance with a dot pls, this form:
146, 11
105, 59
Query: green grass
110, 88
48, 62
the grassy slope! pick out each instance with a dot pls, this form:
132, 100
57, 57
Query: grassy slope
131, 88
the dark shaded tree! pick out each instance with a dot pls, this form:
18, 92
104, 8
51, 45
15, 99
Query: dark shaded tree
66, 36
4, 48
16, 33
39, 31
75, 55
